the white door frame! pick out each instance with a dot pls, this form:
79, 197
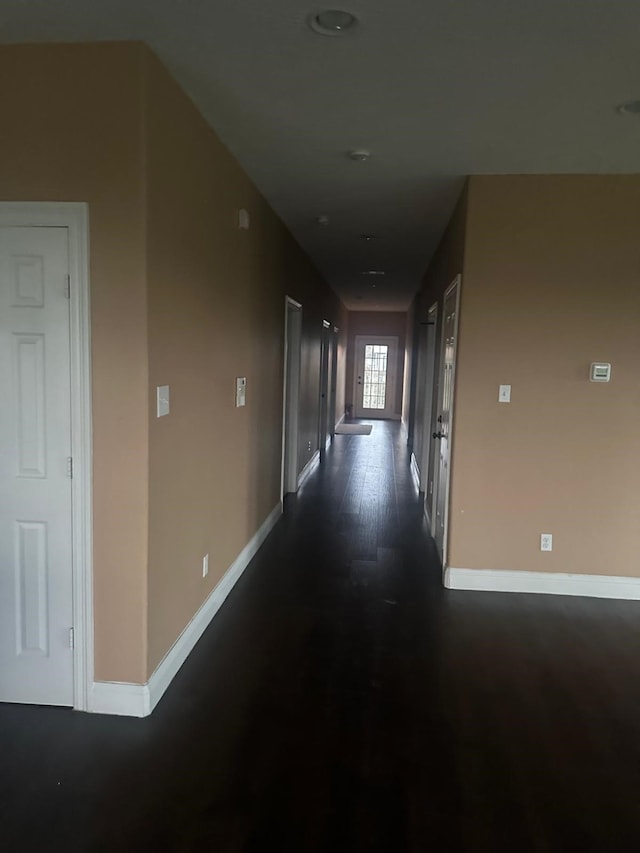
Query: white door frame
324, 438
429, 380
333, 380
290, 399
455, 284
392, 368
74, 216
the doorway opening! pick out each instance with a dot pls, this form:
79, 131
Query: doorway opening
291, 396
333, 379
324, 432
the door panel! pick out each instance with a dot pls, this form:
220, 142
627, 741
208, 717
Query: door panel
444, 421
376, 359
427, 410
323, 403
293, 325
36, 604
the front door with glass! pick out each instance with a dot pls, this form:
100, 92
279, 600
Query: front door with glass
376, 361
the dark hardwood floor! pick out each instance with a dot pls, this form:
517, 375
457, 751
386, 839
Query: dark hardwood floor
343, 701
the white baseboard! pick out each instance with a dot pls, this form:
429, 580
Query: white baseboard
309, 468
120, 698
339, 422
415, 471
545, 583
139, 700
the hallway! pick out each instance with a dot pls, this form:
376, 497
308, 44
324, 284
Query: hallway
343, 701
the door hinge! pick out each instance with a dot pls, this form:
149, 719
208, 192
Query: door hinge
70, 467
67, 287
72, 639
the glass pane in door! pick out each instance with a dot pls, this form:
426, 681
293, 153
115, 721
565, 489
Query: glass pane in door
374, 389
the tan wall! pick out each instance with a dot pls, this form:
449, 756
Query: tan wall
551, 283
72, 131
392, 323
179, 296
216, 311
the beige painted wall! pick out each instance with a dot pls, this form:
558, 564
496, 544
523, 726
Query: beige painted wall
179, 296
550, 284
216, 311
393, 323
72, 131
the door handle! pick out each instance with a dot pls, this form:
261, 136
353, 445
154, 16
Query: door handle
439, 435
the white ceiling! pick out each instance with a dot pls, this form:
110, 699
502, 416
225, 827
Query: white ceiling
436, 89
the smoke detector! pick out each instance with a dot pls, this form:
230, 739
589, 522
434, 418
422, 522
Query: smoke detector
631, 108
332, 22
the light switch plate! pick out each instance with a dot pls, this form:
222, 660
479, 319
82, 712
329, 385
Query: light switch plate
504, 394
241, 391
600, 371
162, 400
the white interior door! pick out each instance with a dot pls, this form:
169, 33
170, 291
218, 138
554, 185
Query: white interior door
429, 380
333, 379
323, 417
376, 359
36, 589
293, 335
444, 423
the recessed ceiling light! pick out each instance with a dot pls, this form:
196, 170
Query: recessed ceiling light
630, 108
368, 237
332, 22
359, 154
373, 272
322, 220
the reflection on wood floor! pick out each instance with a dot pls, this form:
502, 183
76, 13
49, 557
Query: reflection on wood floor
343, 701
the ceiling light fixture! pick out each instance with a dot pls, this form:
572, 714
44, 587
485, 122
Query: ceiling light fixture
332, 22
373, 272
631, 108
360, 155
368, 237
322, 220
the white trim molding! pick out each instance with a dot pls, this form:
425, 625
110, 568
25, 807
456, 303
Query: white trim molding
309, 468
120, 698
544, 583
139, 700
74, 216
